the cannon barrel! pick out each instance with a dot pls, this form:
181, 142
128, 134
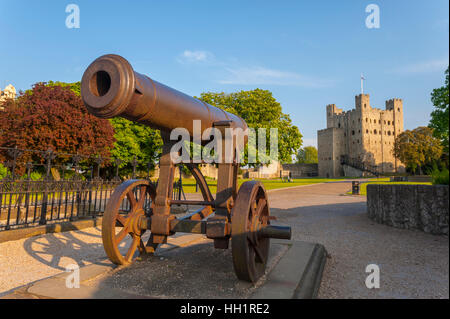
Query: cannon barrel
110, 87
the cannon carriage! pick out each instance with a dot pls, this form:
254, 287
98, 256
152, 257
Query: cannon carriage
110, 87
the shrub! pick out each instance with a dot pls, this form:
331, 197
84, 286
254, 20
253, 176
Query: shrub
440, 177
35, 176
3, 171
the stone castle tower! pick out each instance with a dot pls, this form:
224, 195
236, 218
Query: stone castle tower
361, 139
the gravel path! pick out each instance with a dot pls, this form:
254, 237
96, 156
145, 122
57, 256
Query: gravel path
412, 264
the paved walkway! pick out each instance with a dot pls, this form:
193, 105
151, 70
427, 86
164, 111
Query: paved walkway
412, 264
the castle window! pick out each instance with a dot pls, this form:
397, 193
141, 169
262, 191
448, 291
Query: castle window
389, 122
365, 105
389, 133
353, 132
374, 131
367, 131
379, 121
339, 125
398, 109
367, 120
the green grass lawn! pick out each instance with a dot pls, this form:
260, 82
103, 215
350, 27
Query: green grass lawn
363, 186
189, 183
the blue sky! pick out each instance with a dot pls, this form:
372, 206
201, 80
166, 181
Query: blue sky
308, 53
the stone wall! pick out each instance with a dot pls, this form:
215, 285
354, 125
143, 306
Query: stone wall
301, 170
423, 207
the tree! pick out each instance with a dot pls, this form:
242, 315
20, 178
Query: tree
307, 155
260, 110
3, 171
417, 148
131, 139
439, 117
53, 117
135, 140
75, 87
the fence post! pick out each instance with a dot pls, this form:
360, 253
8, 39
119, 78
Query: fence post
97, 183
14, 154
49, 156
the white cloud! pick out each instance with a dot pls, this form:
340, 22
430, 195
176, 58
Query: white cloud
438, 65
258, 75
235, 74
189, 56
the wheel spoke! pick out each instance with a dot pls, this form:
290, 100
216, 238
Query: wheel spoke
258, 252
121, 235
142, 195
132, 249
261, 205
122, 220
132, 200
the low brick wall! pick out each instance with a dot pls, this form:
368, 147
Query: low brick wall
423, 207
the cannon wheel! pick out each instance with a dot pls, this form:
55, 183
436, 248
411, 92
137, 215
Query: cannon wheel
250, 212
121, 219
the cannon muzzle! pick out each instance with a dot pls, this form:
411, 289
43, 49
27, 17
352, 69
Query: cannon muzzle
110, 87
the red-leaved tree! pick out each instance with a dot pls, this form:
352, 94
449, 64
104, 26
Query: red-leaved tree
53, 117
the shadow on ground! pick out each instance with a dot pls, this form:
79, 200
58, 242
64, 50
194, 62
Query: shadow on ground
50, 249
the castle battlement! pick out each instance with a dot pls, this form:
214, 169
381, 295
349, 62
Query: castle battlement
364, 134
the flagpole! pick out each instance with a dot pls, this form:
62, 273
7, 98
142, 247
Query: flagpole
362, 84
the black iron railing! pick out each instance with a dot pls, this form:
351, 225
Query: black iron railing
62, 192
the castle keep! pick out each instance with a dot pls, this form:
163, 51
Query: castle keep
360, 140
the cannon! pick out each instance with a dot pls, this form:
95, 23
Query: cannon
109, 88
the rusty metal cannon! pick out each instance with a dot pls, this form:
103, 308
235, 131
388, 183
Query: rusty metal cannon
110, 87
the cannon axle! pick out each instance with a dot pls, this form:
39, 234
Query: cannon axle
200, 227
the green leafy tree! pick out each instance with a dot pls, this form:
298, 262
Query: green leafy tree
439, 117
417, 148
135, 140
260, 110
307, 155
